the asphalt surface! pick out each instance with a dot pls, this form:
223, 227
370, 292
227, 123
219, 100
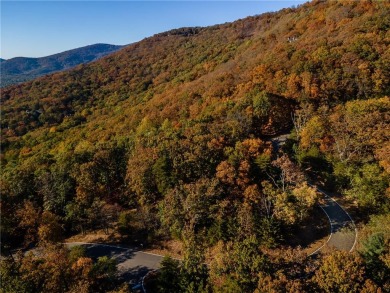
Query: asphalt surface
279, 141
133, 264
343, 232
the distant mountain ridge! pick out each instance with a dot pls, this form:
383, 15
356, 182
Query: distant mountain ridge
20, 69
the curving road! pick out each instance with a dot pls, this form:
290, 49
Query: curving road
133, 264
343, 231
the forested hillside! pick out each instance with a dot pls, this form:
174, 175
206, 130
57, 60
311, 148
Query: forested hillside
19, 69
169, 138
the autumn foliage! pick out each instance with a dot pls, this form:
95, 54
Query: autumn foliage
179, 128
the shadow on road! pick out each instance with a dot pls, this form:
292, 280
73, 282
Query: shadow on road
343, 230
95, 251
132, 264
135, 274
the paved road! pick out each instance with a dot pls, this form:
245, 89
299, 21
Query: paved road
343, 232
279, 141
132, 263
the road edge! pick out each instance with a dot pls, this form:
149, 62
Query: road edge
330, 222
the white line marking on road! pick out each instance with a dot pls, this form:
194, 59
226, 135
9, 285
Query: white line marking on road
330, 235
160, 255
349, 216
101, 244
331, 224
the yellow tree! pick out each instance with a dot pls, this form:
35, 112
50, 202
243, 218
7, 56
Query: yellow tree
340, 272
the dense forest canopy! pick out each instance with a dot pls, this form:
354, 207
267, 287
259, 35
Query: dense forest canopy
178, 128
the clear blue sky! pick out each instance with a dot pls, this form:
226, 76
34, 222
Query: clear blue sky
41, 28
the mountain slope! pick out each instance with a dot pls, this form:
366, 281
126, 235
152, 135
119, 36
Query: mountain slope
173, 134
320, 53
22, 68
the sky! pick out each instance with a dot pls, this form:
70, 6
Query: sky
41, 28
